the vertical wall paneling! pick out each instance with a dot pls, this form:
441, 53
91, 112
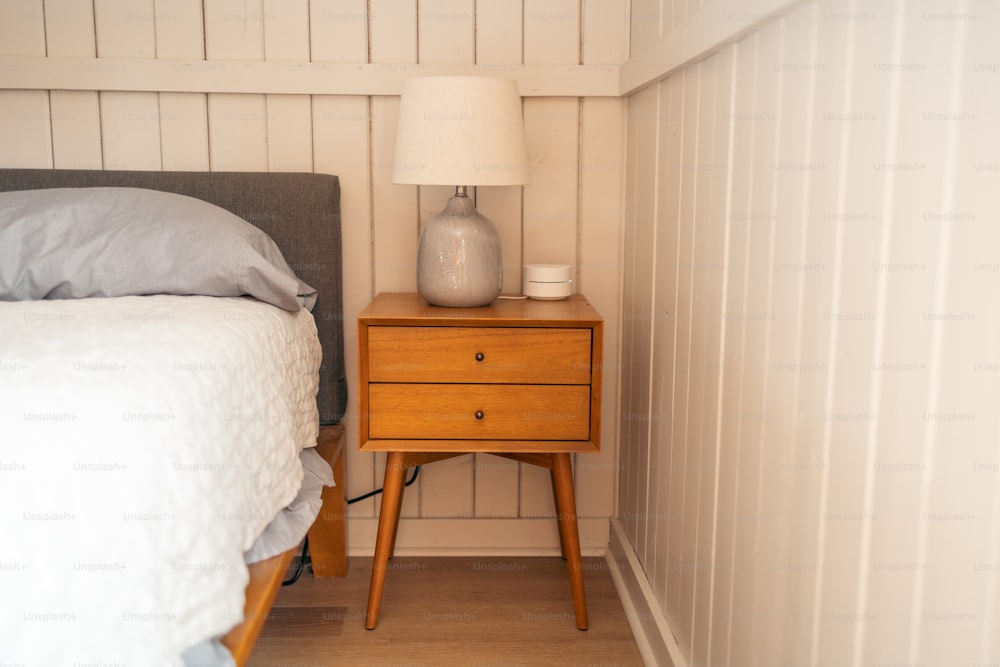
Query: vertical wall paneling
684, 423
234, 30
237, 126
550, 197
855, 213
551, 31
734, 450
447, 31
670, 469
286, 31
947, 477
707, 266
75, 115
636, 330
393, 29
780, 364
604, 32
339, 31
716, 475
499, 34
69, 27
184, 131
130, 122
22, 28
900, 366
822, 319
25, 128
496, 486
502, 205
76, 129
754, 414
393, 32
626, 499
395, 207
969, 383
125, 28
130, 125
831, 486
644, 29
918, 303
447, 491
180, 30
799, 374
180, 34
535, 499
669, 383
667, 316
289, 133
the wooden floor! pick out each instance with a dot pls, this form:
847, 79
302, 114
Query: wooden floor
449, 611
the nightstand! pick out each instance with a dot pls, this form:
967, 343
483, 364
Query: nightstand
518, 378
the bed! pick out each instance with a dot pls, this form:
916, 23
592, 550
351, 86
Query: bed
171, 387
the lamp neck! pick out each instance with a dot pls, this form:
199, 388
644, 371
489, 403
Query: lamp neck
460, 191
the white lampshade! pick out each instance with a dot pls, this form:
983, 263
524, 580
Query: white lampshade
460, 130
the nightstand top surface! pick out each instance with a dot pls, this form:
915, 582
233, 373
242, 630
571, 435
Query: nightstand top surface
409, 308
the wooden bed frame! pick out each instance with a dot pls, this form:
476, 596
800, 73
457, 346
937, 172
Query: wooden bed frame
301, 212
327, 544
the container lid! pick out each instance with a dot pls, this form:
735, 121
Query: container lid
548, 273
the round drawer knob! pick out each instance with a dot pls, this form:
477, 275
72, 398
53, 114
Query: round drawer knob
479, 414
480, 356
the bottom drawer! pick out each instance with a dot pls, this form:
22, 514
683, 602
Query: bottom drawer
479, 412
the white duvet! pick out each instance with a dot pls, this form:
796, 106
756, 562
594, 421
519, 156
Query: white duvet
145, 443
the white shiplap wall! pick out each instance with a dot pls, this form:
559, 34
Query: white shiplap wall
810, 359
312, 85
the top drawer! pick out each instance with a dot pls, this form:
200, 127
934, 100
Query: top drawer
479, 354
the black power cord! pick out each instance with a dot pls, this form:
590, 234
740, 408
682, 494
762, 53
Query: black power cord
305, 543
416, 471
301, 564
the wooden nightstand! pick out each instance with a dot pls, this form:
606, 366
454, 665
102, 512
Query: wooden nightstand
518, 378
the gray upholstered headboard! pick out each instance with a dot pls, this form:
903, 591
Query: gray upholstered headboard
301, 212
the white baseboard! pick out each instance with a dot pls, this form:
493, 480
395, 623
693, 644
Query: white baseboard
477, 537
649, 625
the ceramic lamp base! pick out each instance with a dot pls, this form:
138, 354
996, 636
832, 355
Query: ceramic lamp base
458, 260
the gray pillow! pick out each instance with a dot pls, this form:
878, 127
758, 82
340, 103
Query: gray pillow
69, 243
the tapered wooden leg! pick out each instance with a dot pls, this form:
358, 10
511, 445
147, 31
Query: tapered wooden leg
396, 512
562, 473
388, 520
555, 494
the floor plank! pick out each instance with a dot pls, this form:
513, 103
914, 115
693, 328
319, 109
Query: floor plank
449, 611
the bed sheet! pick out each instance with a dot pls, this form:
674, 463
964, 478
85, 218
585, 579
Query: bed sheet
146, 443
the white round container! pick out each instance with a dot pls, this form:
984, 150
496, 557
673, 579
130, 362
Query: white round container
548, 281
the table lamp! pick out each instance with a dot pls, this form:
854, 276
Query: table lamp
460, 131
